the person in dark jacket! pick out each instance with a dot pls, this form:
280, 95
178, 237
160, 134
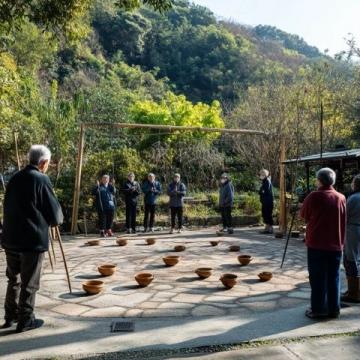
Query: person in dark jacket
352, 244
176, 191
267, 201
104, 193
226, 202
132, 191
151, 189
324, 211
30, 207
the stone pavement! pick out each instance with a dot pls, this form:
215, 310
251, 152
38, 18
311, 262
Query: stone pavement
177, 310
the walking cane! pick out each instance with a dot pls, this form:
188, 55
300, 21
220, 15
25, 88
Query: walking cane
288, 238
51, 262
52, 237
57, 232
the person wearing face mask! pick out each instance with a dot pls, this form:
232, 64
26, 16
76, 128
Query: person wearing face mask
176, 191
226, 202
30, 208
267, 201
104, 193
132, 191
352, 244
324, 211
151, 189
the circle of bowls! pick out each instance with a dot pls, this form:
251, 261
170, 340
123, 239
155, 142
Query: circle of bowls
171, 260
107, 269
203, 273
244, 259
144, 279
265, 276
150, 241
93, 287
228, 280
121, 242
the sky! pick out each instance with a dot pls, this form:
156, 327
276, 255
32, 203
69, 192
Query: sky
322, 23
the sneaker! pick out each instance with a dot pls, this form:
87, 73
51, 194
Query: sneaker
102, 233
109, 232
315, 316
29, 325
133, 231
7, 324
180, 231
145, 230
128, 231
171, 231
152, 230
230, 231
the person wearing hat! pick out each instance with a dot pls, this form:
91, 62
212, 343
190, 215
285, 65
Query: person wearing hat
132, 191
226, 202
176, 191
267, 201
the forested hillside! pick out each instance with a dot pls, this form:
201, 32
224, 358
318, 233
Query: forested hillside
177, 66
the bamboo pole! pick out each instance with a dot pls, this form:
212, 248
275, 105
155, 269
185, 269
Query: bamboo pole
17, 150
282, 215
76, 198
57, 232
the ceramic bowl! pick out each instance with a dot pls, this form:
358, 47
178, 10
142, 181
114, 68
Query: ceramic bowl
234, 248
244, 259
295, 234
144, 279
203, 273
107, 269
265, 276
93, 242
93, 287
279, 234
150, 241
171, 260
214, 242
179, 248
121, 242
229, 280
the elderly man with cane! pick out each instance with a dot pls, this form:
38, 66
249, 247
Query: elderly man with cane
324, 211
30, 207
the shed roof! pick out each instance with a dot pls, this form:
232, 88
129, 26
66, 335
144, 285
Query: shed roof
331, 155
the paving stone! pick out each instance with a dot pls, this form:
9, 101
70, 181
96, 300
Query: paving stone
113, 311
188, 298
115, 300
70, 309
174, 312
207, 310
133, 313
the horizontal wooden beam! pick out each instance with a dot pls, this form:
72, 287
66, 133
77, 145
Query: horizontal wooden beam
173, 128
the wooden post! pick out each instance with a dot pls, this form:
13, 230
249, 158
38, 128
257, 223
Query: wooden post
17, 150
282, 215
77, 184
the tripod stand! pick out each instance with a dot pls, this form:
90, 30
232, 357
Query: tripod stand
54, 235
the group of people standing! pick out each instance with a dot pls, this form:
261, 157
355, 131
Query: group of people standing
105, 194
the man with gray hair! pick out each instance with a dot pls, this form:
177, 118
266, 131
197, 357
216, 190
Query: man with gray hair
324, 211
30, 207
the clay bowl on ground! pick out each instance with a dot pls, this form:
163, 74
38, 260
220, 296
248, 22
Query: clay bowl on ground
179, 248
265, 276
214, 242
279, 234
203, 273
244, 259
229, 280
144, 279
150, 241
93, 242
107, 269
93, 287
295, 234
171, 260
121, 242
234, 248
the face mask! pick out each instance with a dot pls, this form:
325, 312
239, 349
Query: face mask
223, 181
176, 180
262, 177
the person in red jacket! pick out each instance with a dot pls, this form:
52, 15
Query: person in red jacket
324, 211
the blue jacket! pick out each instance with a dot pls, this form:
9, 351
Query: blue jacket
226, 198
151, 192
266, 192
105, 197
176, 192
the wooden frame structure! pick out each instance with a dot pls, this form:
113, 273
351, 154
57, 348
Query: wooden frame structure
169, 128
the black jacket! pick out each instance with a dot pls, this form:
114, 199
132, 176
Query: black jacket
266, 192
30, 207
132, 191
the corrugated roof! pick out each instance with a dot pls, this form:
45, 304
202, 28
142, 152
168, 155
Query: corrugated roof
331, 155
